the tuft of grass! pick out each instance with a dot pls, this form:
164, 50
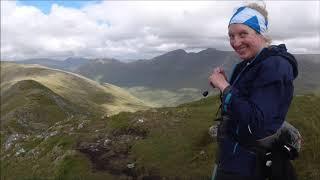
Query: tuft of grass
73, 167
120, 121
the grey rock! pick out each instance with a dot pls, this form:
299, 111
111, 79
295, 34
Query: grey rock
131, 165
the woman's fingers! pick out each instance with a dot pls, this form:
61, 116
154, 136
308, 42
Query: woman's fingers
220, 70
216, 70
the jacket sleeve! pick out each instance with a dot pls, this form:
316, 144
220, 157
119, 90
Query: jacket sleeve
263, 111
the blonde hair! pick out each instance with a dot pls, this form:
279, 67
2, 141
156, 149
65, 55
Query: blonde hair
263, 11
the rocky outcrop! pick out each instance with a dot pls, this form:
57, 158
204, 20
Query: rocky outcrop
112, 152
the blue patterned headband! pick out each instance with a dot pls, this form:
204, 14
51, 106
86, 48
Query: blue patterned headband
251, 18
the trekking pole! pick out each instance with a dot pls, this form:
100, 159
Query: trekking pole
214, 172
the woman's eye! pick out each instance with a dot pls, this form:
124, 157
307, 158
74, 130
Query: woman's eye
243, 34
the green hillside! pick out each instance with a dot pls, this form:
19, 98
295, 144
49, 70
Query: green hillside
156, 143
42, 112
85, 93
29, 107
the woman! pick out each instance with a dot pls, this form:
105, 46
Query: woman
256, 99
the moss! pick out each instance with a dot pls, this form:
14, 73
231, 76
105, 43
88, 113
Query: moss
73, 167
31, 144
66, 142
120, 121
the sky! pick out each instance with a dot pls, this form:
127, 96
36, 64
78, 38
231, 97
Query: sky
129, 30
45, 5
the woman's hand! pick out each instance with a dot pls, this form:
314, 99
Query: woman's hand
218, 79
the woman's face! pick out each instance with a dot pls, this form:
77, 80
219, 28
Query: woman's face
245, 41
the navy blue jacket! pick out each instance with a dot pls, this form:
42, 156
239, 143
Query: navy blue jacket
257, 103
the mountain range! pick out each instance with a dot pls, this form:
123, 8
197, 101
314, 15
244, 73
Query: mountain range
176, 69
173, 70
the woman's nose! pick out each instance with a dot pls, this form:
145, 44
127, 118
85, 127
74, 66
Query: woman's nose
237, 42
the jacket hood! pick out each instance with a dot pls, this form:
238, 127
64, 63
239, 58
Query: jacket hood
281, 50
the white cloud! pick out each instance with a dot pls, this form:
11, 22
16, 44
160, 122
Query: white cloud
142, 29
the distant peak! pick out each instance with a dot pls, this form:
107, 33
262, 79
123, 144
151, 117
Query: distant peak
177, 52
106, 60
171, 54
208, 50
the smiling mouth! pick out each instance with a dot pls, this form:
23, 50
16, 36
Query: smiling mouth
241, 50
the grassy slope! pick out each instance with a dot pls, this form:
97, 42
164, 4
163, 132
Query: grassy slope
29, 107
45, 110
304, 114
75, 88
177, 144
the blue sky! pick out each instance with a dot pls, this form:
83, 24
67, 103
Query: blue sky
45, 5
